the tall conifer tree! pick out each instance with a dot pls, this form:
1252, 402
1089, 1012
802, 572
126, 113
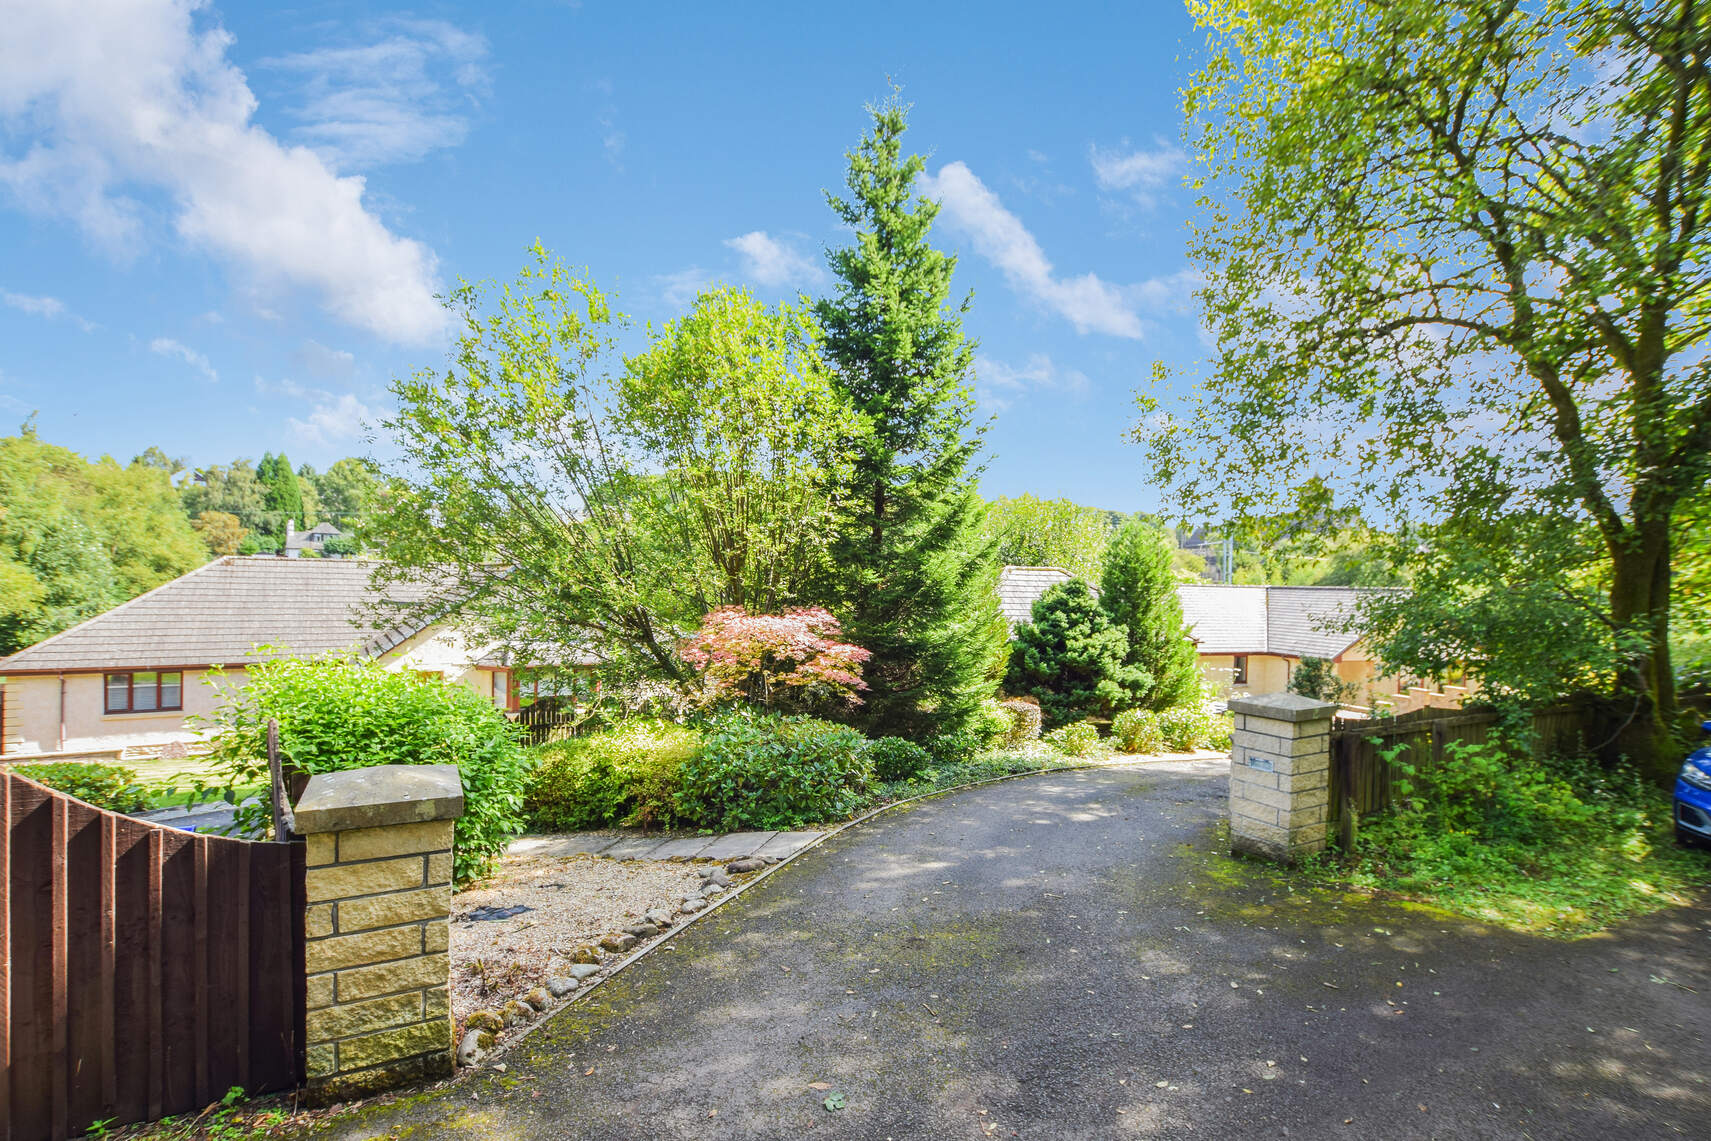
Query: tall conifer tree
1138, 591
914, 580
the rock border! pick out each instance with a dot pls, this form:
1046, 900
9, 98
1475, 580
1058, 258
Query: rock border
684, 921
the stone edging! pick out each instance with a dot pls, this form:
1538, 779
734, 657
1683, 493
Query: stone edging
665, 938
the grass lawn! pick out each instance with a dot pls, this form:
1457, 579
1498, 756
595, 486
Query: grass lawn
1625, 865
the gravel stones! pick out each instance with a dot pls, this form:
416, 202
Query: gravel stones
659, 917
691, 906
586, 955
642, 930
514, 1012
562, 985
539, 999
618, 944
716, 875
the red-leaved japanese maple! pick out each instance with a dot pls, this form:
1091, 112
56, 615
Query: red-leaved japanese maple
793, 660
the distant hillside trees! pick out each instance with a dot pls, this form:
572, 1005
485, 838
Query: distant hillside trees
79, 537
1035, 532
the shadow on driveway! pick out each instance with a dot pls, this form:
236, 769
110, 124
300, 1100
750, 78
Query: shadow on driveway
1070, 956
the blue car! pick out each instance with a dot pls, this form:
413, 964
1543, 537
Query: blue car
1693, 797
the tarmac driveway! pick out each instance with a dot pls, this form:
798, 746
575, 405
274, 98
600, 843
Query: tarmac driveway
1070, 956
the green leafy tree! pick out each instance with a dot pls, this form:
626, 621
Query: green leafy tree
1317, 678
1038, 532
308, 487
234, 490
282, 494
78, 538
734, 406
222, 532
346, 491
1461, 245
1138, 591
912, 578
1070, 657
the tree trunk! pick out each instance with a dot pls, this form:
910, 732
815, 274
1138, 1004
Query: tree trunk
1639, 604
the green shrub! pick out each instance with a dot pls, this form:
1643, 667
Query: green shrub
756, 771
894, 758
1185, 727
1025, 720
954, 748
1220, 729
1070, 656
1080, 739
991, 723
338, 713
112, 787
1137, 731
626, 775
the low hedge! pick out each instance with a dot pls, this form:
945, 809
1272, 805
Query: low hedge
1138, 731
113, 787
626, 775
758, 771
894, 758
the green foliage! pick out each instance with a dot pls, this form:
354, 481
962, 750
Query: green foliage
629, 774
773, 772
112, 787
1561, 847
1412, 280
340, 548
955, 747
1220, 733
1317, 678
1036, 532
909, 574
347, 492
1138, 591
78, 538
281, 493
895, 759
1186, 727
1070, 657
1026, 720
233, 490
1079, 739
734, 405
1138, 731
222, 532
339, 713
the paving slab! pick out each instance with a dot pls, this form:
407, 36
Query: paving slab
635, 848
784, 844
570, 844
736, 845
682, 848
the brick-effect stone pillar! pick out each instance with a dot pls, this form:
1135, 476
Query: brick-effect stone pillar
379, 874
1280, 775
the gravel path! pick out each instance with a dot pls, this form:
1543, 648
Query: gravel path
1071, 956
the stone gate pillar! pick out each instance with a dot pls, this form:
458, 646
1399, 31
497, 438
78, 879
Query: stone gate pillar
1280, 775
379, 873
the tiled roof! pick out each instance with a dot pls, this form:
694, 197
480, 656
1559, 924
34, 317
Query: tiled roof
1020, 587
1295, 621
217, 614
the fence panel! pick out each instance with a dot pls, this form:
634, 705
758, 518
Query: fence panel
144, 971
1361, 779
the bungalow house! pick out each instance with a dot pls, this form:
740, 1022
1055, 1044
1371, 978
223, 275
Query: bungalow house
314, 540
125, 680
1250, 638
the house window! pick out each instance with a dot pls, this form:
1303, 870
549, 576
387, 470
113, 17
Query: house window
502, 688
145, 691
1239, 670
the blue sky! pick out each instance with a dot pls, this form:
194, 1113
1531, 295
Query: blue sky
222, 226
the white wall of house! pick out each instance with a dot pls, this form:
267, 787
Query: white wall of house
1270, 673
33, 709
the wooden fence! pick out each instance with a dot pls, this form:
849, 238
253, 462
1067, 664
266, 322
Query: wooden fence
144, 971
1362, 779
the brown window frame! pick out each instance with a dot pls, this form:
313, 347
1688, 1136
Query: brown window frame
130, 677
1238, 669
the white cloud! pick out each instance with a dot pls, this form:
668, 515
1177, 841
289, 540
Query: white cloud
334, 419
1134, 168
772, 263
999, 385
392, 100
1088, 303
679, 290
612, 138
167, 347
50, 308
134, 97
319, 360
